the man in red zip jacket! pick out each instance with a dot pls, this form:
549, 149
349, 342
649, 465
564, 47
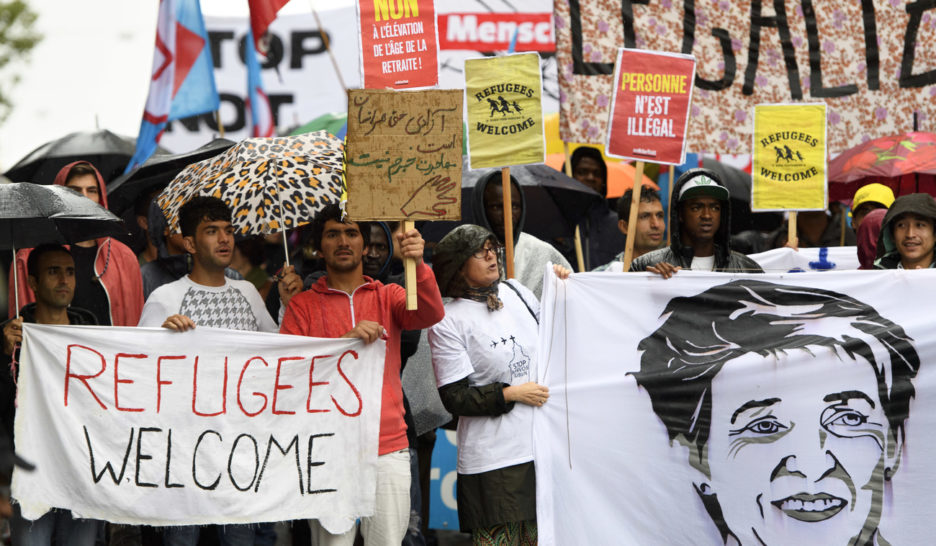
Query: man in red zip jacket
345, 303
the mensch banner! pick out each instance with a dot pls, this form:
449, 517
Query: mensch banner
714, 409
872, 62
149, 426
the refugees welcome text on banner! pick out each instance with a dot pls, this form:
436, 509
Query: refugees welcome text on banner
149, 426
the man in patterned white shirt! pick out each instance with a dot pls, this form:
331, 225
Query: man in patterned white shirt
205, 297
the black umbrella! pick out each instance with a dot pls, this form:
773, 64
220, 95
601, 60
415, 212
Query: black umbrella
156, 173
555, 203
108, 152
31, 214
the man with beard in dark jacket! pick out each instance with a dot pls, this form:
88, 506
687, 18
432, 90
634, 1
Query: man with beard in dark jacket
908, 234
700, 223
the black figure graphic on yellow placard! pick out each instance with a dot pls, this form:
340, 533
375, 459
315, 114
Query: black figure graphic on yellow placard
505, 106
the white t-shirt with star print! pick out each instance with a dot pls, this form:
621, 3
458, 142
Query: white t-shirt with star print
489, 347
235, 306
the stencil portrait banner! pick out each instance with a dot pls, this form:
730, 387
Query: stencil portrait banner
727, 409
149, 426
872, 62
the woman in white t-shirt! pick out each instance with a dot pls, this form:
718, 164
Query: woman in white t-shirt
484, 356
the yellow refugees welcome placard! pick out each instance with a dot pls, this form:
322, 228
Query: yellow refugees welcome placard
789, 163
505, 113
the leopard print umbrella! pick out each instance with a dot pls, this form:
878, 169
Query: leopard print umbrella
271, 184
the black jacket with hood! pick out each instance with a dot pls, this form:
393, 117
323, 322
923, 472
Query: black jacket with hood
726, 260
479, 215
922, 204
76, 316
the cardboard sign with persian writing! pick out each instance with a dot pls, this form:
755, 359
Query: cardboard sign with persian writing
505, 112
789, 160
404, 154
650, 108
399, 43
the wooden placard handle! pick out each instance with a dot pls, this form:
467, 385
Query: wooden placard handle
508, 223
792, 234
632, 217
409, 268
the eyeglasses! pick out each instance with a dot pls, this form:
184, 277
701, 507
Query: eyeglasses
482, 252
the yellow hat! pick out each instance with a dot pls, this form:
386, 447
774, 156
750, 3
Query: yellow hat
873, 193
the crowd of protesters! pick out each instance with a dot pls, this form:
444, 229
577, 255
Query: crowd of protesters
346, 282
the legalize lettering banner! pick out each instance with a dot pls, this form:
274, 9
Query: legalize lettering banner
714, 409
149, 426
872, 62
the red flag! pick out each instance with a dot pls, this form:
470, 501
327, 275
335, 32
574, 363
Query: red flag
262, 13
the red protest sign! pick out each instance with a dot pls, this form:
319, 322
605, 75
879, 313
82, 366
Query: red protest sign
399, 45
650, 110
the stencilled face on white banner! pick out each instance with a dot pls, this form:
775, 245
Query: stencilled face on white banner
791, 402
791, 459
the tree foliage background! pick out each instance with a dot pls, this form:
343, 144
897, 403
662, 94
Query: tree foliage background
17, 38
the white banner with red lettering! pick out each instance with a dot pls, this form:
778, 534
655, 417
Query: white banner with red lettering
150, 426
713, 408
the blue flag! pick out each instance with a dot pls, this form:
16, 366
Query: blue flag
182, 79
261, 115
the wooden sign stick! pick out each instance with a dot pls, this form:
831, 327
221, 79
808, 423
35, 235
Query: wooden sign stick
508, 223
842, 226
669, 203
632, 217
409, 269
792, 234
